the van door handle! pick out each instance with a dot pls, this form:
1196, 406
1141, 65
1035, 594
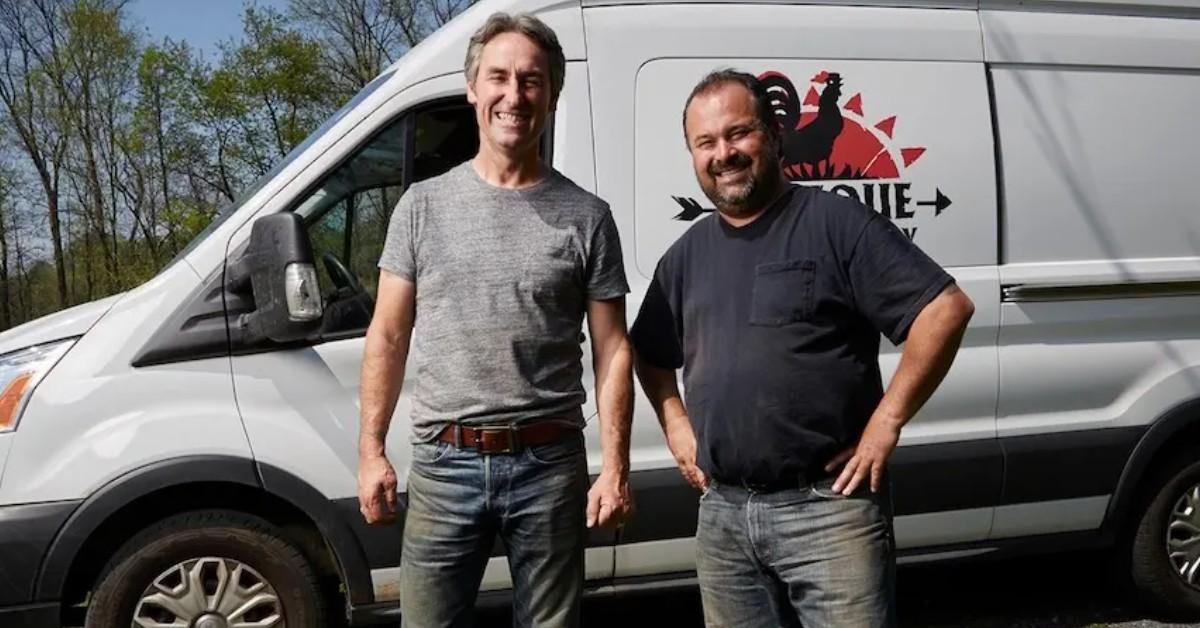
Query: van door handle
1038, 293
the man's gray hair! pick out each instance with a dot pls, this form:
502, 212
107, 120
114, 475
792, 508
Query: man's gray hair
529, 26
762, 100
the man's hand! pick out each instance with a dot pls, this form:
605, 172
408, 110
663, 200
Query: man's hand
681, 440
609, 502
376, 490
929, 351
867, 459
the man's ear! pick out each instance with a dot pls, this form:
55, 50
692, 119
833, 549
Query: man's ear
471, 98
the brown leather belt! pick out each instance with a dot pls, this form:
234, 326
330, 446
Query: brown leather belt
506, 439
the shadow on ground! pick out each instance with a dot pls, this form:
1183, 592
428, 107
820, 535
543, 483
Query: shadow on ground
1062, 591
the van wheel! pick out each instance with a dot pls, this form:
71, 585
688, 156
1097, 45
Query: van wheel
208, 569
1165, 557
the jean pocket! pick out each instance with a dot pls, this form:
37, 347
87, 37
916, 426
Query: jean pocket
558, 452
707, 489
824, 490
431, 452
826, 493
782, 292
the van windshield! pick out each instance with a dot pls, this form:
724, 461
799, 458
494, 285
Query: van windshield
229, 210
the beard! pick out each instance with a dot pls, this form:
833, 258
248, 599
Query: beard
748, 197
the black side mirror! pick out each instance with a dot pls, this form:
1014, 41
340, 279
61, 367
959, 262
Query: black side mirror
278, 266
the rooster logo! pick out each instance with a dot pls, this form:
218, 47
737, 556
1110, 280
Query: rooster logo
826, 140
823, 139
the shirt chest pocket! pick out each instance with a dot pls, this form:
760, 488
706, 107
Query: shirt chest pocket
551, 267
783, 292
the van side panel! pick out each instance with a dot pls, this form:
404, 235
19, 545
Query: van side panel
1096, 126
910, 79
95, 417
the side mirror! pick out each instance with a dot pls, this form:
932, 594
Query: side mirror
278, 266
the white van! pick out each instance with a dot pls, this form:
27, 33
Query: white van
186, 452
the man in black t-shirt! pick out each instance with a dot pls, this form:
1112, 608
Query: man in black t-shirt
773, 307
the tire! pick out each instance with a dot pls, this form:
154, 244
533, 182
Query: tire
1172, 507
241, 556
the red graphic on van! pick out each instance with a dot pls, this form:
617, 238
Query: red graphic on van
822, 142
829, 143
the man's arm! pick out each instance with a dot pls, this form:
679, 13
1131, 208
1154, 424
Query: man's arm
663, 391
384, 357
609, 500
932, 343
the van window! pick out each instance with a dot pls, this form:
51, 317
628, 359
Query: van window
348, 212
1091, 170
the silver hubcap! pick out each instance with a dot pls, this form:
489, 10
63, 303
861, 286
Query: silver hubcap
209, 593
1183, 537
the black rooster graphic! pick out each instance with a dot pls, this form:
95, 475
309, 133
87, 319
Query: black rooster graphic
807, 148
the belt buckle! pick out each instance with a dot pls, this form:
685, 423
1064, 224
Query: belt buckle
513, 439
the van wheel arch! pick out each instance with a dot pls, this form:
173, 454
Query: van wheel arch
139, 499
1170, 436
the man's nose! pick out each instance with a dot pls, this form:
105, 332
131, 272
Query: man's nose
726, 150
512, 90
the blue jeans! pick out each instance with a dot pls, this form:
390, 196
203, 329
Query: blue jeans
460, 500
801, 555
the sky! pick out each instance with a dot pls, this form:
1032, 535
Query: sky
202, 23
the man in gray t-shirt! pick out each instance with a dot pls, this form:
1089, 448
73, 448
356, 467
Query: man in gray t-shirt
503, 279
489, 269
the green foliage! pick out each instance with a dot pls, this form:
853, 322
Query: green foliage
132, 146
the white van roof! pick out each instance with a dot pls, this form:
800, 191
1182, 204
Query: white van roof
453, 36
1161, 8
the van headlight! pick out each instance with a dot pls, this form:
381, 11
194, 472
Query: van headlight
20, 372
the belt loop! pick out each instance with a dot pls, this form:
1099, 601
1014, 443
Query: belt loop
514, 436
457, 435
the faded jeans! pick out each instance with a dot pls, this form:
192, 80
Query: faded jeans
803, 556
460, 500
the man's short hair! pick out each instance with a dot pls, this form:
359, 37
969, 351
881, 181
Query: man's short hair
529, 26
762, 100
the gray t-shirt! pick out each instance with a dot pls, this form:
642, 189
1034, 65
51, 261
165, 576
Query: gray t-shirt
503, 278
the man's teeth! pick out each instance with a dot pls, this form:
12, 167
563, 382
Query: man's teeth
509, 117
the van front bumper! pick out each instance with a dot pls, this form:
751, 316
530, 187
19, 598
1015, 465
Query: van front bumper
44, 615
26, 532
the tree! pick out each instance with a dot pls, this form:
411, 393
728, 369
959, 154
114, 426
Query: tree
164, 141
264, 97
7, 185
359, 39
94, 77
122, 150
28, 47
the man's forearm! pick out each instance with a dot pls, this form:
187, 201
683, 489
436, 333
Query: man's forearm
933, 342
614, 402
662, 390
380, 383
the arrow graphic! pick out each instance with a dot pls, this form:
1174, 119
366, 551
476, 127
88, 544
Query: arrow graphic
691, 209
940, 203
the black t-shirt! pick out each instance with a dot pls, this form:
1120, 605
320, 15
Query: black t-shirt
776, 325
